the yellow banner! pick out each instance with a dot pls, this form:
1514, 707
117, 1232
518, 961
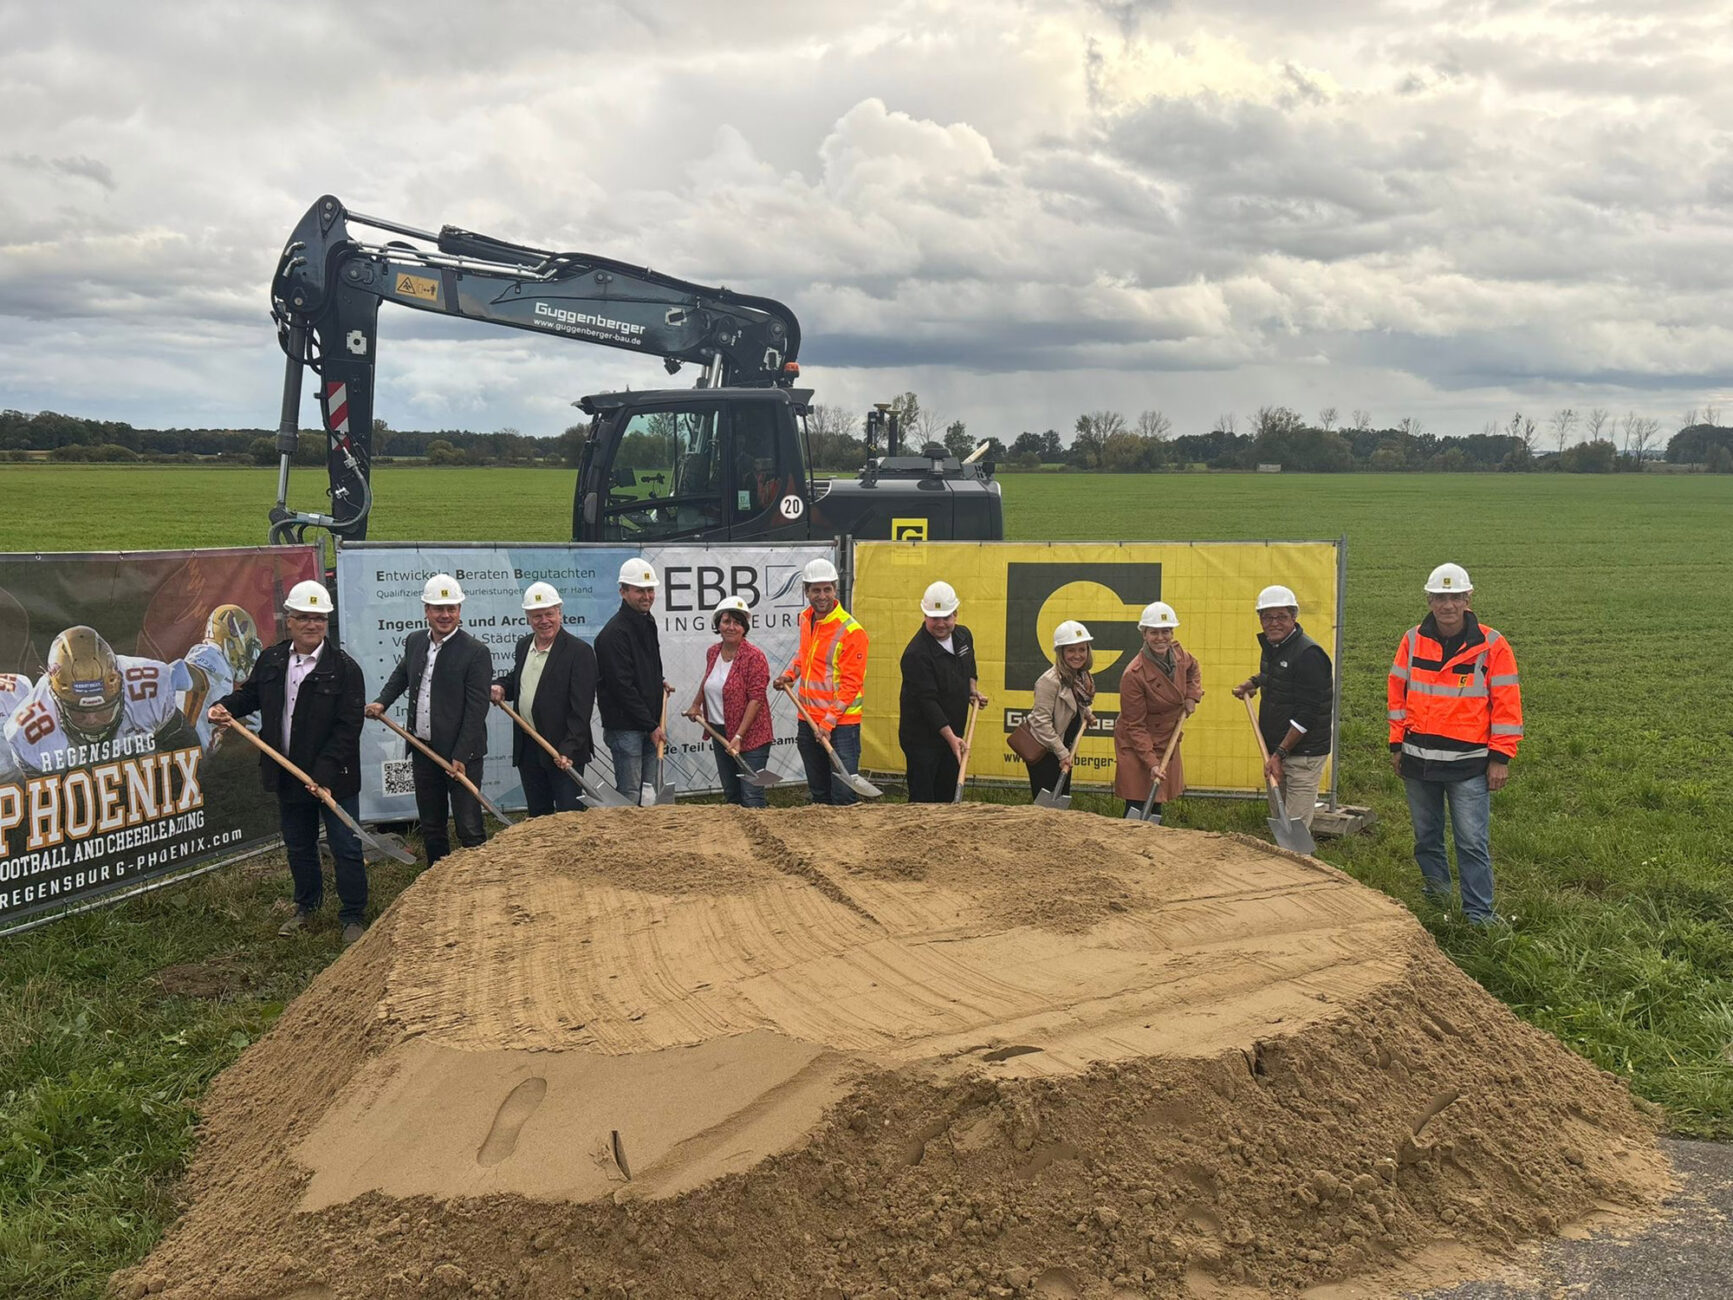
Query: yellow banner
1015, 593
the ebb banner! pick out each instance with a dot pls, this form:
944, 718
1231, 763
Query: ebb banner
1014, 594
109, 774
379, 604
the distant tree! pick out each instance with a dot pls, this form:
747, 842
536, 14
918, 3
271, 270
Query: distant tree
957, 440
1362, 419
1596, 457
830, 430
1028, 444
1089, 444
1225, 423
1327, 419
569, 446
263, 451
1712, 416
1154, 426
1595, 424
1562, 422
1522, 429
441, 452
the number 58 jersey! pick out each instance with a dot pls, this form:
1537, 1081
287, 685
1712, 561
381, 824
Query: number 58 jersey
37, 732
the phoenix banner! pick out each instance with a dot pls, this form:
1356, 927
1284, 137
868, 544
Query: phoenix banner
109, 775
1013, 596
379, 605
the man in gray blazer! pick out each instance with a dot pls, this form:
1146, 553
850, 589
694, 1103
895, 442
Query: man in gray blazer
553, 685
447, 673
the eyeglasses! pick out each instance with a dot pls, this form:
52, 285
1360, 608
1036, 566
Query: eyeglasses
309, 618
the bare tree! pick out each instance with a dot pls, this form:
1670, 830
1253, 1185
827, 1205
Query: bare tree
1225, 423
1093, 431
1327, 419
1275, 419
1153, 424
1362, 420
1690, 419
1522, 428
1413, 427
1491, 429
831, 422
1562, 422
1596, 425
1647, 434
1712, 416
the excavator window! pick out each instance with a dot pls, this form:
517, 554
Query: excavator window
667, 477
757, 480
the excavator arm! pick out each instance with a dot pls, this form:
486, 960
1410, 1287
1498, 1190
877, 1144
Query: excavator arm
329, 284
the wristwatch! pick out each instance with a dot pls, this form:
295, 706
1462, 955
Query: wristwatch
1282, 751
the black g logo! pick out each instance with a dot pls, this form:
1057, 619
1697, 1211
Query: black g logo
1028, 588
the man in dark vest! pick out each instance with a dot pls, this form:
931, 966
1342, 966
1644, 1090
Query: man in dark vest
1299, 688
447, 673
308, 695
552, 685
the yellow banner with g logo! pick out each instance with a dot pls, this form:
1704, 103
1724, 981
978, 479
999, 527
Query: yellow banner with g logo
1014, 594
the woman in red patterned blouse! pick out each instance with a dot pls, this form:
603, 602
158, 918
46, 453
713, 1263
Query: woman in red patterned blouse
731, 697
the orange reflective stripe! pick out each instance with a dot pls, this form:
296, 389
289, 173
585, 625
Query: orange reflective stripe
831, 666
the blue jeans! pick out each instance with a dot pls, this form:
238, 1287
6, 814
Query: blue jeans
634, 760
824, 783
299, 819
1471, 822
735, 787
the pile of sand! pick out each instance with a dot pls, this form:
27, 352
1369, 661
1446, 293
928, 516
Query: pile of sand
887, 1051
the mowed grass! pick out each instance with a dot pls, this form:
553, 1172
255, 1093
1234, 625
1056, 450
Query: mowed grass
1612, 841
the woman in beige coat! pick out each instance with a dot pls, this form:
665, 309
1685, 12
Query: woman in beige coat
1159, 687
1062, 697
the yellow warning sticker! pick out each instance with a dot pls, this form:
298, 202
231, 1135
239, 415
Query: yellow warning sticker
909, 530
418, 286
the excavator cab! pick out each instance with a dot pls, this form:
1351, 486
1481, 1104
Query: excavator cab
704, 464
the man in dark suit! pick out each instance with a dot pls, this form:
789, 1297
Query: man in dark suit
308, 695
555, 674
447, 673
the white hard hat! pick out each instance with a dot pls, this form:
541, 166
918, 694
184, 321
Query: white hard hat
1448, 578
1158, 614
308, 597
940, 600
541, 595
1276, 598
1070, 632
819, 570
442, 589
731, 604
636, 572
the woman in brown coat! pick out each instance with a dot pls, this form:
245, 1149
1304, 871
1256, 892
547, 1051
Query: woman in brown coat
1159, 687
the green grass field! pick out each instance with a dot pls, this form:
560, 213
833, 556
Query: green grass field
1613, 841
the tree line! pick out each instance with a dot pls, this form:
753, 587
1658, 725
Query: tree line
1591, 441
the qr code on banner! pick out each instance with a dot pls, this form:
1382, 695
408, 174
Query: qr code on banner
399, 777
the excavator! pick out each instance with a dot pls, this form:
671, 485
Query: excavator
725, 460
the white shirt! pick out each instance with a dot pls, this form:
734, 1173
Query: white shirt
946, 642
422, 723
300, 666
713, 692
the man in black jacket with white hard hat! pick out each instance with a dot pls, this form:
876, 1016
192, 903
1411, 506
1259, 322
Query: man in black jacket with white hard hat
939, 681
308, 695
629, 682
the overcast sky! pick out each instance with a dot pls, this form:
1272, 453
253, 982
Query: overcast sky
1445, 211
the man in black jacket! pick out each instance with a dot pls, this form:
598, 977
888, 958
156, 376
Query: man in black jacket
629, 684
555, 673
939, 681
447, 673
1299, 686
308, 695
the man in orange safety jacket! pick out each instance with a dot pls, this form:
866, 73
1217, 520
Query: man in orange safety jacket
1455, 708
827, 674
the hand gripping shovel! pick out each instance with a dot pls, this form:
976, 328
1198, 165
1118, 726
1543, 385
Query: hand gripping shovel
859, 784
661, 790
763, 780
1053, 798
968, 746
605, 796
449, 770
377, 845
1290, 833
1145, 814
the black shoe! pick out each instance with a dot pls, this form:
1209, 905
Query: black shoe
352, 933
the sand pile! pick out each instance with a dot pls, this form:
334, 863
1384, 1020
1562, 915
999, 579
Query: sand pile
876, 1052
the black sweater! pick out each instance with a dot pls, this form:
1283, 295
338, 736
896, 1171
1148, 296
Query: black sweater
629, 672
935, 690
1298, 685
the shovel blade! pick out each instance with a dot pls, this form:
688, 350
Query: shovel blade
861, 786
1134, 815
1047, 799
1292, 835
765, 779
664, 794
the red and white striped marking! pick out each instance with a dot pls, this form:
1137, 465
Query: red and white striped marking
337, 407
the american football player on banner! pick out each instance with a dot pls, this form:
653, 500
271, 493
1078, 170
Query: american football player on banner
224, 658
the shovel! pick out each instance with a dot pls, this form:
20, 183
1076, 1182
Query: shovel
1145, 814
377, 845
968, 745
1052, 798
661, 790
859, 784
449, 770
763, 780
605, 796
1290, 833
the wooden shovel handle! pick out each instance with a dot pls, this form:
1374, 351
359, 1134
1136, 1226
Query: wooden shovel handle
968, 743
1263, 749
528, 730
433, 754
282, 760
807, 718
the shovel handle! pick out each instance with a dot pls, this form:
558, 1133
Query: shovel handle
1263, 749
540, 739
807, 719
320, 794
722, 740
968, 746
445, 765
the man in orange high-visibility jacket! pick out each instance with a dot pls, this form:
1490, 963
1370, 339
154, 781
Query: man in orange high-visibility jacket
827, 675
1455, 721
